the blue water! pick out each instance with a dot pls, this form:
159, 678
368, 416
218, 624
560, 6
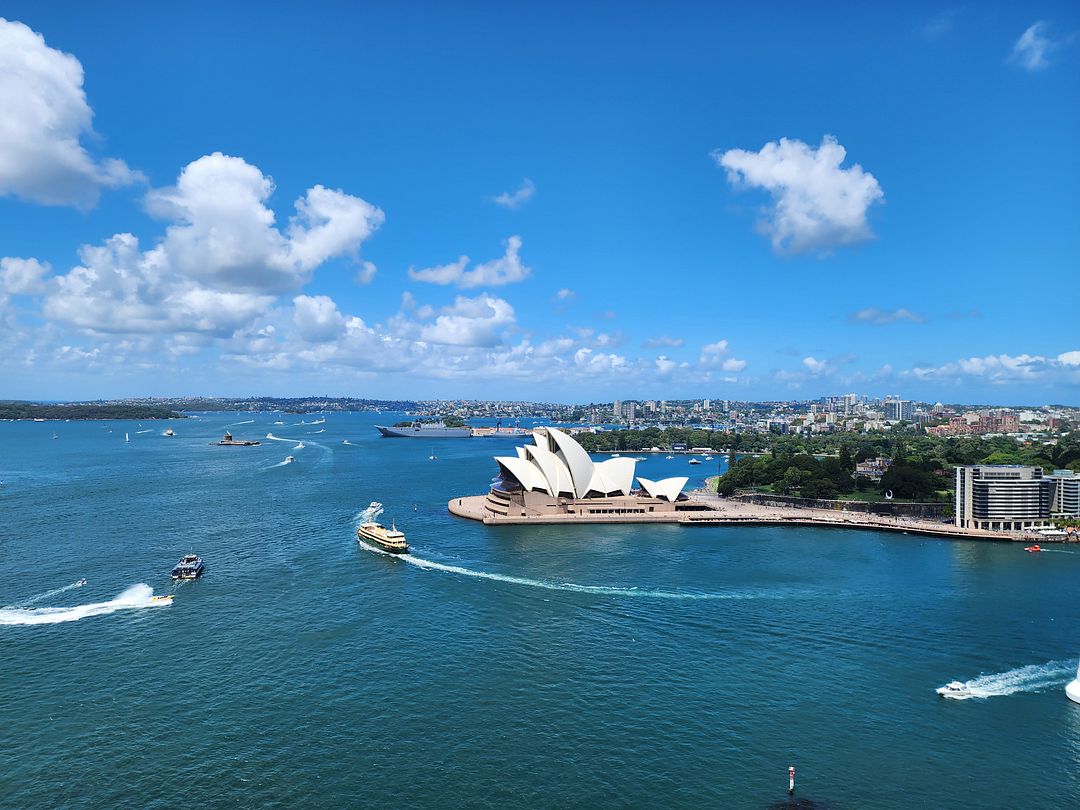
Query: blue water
530, 667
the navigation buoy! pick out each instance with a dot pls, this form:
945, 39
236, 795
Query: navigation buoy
791, 780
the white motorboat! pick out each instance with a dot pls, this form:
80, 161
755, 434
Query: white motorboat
695, 461
954, 689
290, 459
1072, 690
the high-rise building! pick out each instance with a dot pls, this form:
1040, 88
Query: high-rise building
899, 410
1064, 494
1001, 498
616, 410
705, 404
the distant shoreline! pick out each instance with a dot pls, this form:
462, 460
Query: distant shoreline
30, 411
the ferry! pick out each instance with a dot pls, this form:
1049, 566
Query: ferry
383, 538
190, 566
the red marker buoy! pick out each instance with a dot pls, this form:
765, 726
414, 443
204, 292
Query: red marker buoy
791, 780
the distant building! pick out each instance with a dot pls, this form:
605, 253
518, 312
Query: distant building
899, 410
1001, 498
872, 468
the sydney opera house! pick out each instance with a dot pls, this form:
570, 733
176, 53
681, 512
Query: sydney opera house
555, 477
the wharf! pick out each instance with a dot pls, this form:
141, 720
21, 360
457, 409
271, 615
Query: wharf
707, 509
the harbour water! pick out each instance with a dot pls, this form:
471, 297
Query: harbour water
521, 666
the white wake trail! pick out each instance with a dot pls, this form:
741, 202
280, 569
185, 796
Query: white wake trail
1030, 678
41, 597
135, 597
246, 422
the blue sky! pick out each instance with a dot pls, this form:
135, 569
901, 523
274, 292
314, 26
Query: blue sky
569, 202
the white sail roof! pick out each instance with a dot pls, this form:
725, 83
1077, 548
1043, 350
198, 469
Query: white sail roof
558, 465
668, 488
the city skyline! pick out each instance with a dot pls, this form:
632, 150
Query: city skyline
504, 204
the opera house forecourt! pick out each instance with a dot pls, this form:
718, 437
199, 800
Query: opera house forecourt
555, 481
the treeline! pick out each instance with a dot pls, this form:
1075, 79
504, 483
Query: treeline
665, 438
33, 410
805, 476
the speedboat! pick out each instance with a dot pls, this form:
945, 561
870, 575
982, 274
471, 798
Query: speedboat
954, 689
290, 459
1072, 690
695, 461
669, 458
1034, 549
166, 599
169, 432
190, 567
383, 538
80, 583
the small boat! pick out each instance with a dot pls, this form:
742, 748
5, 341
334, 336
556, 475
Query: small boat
954, 689
127, 438
1035, 549
165, 599
669, 458
1072, 690
190, 567
80, 583
290, 459
376, 534
55, 436
432, 457
695, 461
615, 455
279, 422
169, 432
708, 458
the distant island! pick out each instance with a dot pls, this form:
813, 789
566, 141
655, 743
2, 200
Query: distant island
35, 410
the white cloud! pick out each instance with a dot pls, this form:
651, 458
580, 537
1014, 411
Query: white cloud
1069, 358
317, 318
45, 115
515, 199
664, 340
814, 365
1032, 49
366, 273
507, 269
817, 205
565, 294
442, 273
998, 368
878, 316
717, 356
23, 276
476, 321
219, 266
731, 364
224, 235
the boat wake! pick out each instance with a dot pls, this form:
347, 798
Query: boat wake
346, 441
245, 422
148, 430
41, 597
320, 430
137, 596
1032, 678
376, 509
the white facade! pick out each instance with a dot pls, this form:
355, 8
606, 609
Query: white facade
558, 466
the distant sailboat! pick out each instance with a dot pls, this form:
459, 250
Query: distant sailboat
127, 438
54, 435
432, 457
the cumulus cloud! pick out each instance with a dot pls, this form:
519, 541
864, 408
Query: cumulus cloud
515, 199
716, 356
45, 116
1031, 51
815, 366
507, 269
317, 318
565, 294
663, 341
23, 276
817, 206
877, 316
999, 368
478, 321
220, 264
224, 234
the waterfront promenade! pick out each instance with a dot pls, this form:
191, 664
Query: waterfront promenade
708, 509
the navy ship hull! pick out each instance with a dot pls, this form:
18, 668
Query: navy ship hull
425, 432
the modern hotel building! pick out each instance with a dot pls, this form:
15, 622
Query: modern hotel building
1006, 498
